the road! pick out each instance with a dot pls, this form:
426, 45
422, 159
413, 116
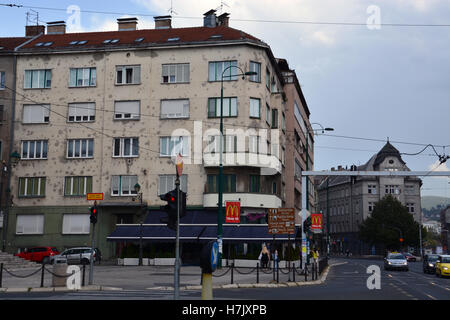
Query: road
346, 280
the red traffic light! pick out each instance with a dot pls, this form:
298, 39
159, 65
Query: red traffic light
172, 199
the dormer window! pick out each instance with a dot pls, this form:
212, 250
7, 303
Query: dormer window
173, 39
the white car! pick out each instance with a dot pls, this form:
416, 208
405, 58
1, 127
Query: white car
395, 261
81, 255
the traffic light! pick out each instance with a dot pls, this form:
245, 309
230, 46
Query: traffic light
307, 224
94, 214
171, 207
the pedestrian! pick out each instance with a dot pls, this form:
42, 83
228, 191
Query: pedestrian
264, 256
275, 259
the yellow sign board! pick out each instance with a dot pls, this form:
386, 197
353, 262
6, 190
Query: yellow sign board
94, 196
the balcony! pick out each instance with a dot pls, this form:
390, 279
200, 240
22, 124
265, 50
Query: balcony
252, 200
269, 164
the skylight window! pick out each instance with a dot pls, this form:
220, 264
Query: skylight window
173, 39
216, 36
38, 44
139, 39
114, 40
82, 42
47, 44
107, 41
73, 42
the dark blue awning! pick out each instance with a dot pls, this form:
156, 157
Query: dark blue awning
202, 233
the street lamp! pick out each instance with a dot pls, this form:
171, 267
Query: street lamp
220, 182
307, 183
137, 188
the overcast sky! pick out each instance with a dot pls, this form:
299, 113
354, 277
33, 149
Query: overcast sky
366, 80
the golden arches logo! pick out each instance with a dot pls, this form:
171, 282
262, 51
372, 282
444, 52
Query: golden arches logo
316, 221
233, 212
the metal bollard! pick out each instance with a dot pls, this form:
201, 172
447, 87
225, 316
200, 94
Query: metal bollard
306, 272
1, 274
278, 274
84, 273
257, 272
293, 272
232, 272
42, 276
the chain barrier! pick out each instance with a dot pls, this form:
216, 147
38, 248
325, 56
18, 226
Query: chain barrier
20, 276
287, 272
218, 276
236, 269
269, 271
62, 276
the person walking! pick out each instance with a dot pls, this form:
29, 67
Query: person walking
275, 259
265, 258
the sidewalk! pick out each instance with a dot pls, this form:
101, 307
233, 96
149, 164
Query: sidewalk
107, 277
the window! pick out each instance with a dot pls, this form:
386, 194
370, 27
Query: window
30, 224
80, 148
77, 186
171, 146
123, 185
255, 185
1, 114
76, 224
255, 111
82, 77
274, 88
81, 112
38, 79
283, 122
126, 147
297, 169
229, 183
409, 189
267, 78
216, 70
175, 73
34, 149
128, 74
392, 189
410, 207
372, 188
2, 80
126, 110
230, 143
172, 109
255, 67
36, 113
167, 183
267, 114
229, 107
299, 118
274, 118
32, 187
253, 143
371, 206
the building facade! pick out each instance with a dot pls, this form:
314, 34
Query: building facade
104, 112
348, 201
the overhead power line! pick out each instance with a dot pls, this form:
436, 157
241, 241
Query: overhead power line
335, 23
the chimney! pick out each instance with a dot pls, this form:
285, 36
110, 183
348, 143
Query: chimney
163, 22
339, 168
31, 31
209, 19
56, 27
223, 19
332, 169
127, 24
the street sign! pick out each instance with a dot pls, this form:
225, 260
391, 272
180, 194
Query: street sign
94, 196
209, 257
233, 212
281, 221
316, 221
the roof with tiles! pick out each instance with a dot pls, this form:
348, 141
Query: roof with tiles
137, 38
9, 44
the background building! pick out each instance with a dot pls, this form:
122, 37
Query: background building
348, 201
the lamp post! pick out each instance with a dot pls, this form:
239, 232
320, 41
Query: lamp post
304, 239
220, 182
6, 172
137, 188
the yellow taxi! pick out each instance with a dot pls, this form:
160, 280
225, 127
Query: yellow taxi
443, 265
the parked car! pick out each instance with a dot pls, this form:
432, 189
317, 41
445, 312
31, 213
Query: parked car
409, 257
38, 254
443, 265
429, 261
79, 255
395, 261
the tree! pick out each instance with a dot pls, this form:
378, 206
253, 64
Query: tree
390, 222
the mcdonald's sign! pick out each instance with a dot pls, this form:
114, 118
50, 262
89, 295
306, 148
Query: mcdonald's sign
233, 212
316, 221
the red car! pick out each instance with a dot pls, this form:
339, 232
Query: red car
409, 257
38, 254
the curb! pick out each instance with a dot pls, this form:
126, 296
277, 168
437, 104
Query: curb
58, 289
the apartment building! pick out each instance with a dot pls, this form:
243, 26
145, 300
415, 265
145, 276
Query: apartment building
298, 150
348, 201
103, 112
